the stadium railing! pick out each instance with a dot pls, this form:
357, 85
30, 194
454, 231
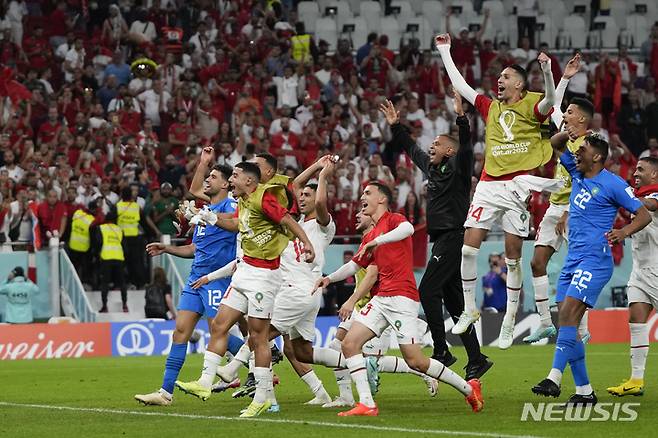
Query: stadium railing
71, 287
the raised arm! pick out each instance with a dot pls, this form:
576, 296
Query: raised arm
442, 43
464, 157
570, 70
301, 180
544, 106
559, 141
402, 139
321, 210
185, 251
196, 187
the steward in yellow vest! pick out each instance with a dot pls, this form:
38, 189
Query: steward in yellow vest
301, 45
129, 216
112, 264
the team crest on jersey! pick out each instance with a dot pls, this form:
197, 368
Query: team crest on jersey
397, 324
259, 297
443, 169
595, 190
506, 121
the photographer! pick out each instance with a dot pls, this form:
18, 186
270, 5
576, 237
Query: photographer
19, 291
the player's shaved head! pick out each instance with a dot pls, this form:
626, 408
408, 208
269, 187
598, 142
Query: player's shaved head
384, 190
451, 141
651, 161
250, 169
521, 72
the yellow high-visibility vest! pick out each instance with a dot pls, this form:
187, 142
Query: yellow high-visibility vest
112, 237
80, 223
301, 48
128, 217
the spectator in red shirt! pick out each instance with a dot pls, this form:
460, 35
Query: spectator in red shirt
287, 144
375, 66
52, 215
178, 133
49, 130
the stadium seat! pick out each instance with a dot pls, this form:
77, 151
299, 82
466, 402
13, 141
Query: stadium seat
325, 29
360, 34
433, 11
417, 6
549, 33
424, 33
308, 12
585, 15
355, 6
608, 37
456, 23
372, 13
556, 10
511, 30
406, 13
344, 12
638, 27
575, 31
618, 10
391, 27
496, 10
468, 14
652, 9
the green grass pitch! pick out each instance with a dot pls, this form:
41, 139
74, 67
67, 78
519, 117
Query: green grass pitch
94, 397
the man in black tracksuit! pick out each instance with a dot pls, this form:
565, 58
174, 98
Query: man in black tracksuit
449, 168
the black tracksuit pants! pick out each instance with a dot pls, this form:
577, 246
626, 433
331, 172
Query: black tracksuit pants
442, 285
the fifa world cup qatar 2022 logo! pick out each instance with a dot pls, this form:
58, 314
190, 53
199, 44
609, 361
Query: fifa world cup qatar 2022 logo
506, 121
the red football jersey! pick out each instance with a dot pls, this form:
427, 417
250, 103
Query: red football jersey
393, 260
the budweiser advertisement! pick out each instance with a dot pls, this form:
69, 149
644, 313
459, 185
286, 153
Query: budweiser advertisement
54, 341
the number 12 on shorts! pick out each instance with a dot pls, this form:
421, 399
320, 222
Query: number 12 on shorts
214, 298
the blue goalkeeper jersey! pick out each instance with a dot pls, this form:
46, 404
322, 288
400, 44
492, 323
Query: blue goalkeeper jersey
215, 247
593, 205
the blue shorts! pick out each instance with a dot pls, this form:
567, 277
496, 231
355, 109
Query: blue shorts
204, 300
584, 277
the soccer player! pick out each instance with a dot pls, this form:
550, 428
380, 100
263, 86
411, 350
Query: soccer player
643, 285
596, 196
295, 308
396, 303
376, 347
552, 229
263, 224
449, 168
211, 248
513, 148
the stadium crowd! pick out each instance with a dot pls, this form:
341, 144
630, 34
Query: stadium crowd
80, 126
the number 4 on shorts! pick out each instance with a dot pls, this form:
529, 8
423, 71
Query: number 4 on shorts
475, 213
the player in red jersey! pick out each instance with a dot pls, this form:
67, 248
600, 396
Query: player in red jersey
395, 304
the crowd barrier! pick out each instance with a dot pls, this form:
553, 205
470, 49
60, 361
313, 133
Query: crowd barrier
153, 337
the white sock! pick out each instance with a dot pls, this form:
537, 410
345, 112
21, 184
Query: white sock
335, 344
394, 364
540, 284
582, 327
243, 354
314, 383
445, 374
252, 363
555, 375
469, 276
514, 282
639, 349
329, 358
357, 366
263, 378
584, 390
165, 394
344, 382
210, 363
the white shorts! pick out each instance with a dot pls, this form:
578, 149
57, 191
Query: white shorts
500, 201
400, 313
546, 235
643, 286
295, 310
252, 290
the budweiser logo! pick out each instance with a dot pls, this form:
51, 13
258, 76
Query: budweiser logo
45, 349
54, 341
